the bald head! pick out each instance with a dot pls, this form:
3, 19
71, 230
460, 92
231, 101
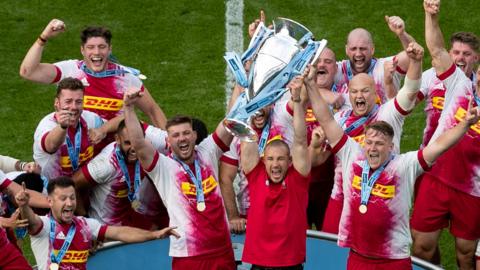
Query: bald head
361, 90
360, 34
359, 50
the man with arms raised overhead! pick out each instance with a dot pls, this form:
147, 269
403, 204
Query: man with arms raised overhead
187, 181
452, 188
378, 186
105, 80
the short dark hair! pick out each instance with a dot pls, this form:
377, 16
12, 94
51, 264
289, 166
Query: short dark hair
95, 31
62, 181
70, 83
468, 38
278, 143
382, 127
177, 120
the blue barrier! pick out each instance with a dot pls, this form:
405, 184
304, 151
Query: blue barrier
322, 253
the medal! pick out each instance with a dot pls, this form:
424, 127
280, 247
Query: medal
136, 205
201, 206
362, 208
54, 266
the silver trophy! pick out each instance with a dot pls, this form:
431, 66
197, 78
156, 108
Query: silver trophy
278, 55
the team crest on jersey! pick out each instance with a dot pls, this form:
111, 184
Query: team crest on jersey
209, 184
101, 103
382, 191
309, 116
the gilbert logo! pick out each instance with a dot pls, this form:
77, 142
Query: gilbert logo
101, 103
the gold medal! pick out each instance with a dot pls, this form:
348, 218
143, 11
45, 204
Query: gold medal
201, 206
136, 205
54, 266
362, 208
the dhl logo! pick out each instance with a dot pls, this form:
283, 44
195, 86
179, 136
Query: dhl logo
378, 190
86, 155
438, 102
360, 139
208, 185
101, 103
461, 114
309, 116
73, 256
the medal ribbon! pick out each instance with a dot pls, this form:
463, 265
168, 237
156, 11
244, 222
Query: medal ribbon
196, 179
74, 149
367, 183
263, 139
66, 244
121, 70
359, 122
349, 72
132, 194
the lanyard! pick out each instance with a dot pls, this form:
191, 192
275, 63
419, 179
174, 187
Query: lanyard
196, 179
359, 122
368, 183
263, 139
74, 149
132, 194
66, 244
110, 72
349, 72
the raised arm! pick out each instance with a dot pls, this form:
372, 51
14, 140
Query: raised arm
322, 113
31, 68
145, 150
227, 174
407, 95
449, 138
300, 155
36, 199
151, 109
441, 61
22, 199
397, 26
133, 235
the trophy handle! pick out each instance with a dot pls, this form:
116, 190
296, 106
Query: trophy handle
240, 129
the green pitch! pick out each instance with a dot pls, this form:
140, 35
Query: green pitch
179, 46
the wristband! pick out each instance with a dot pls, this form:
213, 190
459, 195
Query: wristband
296, 99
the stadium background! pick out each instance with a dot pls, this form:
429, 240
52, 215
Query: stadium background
179, 46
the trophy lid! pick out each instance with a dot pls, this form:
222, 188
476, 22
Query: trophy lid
291, 28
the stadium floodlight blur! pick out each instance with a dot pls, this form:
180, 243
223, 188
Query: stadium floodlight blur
277, 56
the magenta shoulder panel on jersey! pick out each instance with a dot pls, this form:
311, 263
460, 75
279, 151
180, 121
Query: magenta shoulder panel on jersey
399, 108
5, 184
102, 232
58, 75
340, 144
219, 142
87, 175
447, 73
154, 162
422, 161
229, 160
